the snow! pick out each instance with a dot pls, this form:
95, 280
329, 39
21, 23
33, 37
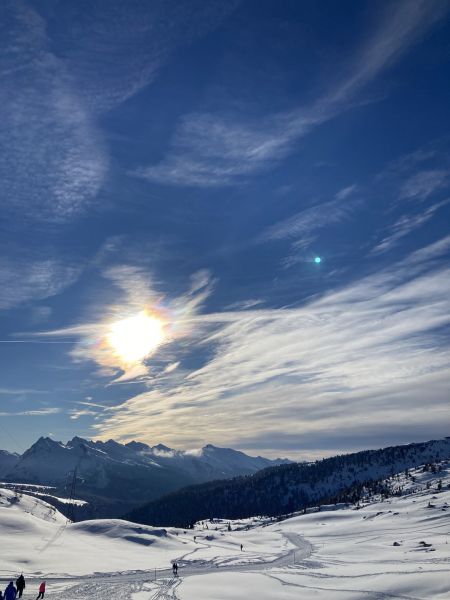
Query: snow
74, 501
335, 554
218, 586
115, 478
50, 461
25, 486
45, 542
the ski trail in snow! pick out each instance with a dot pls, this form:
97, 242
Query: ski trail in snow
167, 589
133, 586
100, 590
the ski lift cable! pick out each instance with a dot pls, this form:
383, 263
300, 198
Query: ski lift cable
74, 482
61, 530
13, 439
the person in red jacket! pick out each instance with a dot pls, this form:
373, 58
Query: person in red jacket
41, 590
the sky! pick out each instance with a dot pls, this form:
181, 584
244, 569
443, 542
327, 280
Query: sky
225, 222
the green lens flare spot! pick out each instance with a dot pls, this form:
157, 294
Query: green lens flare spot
317, 260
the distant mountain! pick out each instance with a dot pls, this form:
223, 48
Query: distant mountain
8, 460
287, 488
113, 478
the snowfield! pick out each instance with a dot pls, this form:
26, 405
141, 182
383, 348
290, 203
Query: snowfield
396, 547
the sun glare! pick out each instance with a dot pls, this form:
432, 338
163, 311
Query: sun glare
134, 338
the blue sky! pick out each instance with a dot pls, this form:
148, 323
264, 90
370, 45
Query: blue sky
192, 159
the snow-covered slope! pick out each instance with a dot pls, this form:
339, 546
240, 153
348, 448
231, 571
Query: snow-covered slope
114, 477
395, 548
37, 538
288, 488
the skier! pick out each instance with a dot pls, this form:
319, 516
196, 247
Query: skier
175, 569
10, 592
242, 547
20, 585
41, 591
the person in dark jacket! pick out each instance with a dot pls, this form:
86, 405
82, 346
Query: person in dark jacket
10, 592
20, 585
41, 591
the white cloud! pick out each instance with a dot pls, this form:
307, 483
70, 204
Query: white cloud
405, 225
304, 225
139, 293
114, 49
22, 280
52, 158
370, 353
245, 304
418, 175
346, 192
303, 228
82, 412
39, 412
208, 150
403, 23
19, 391
212, 149
423, 184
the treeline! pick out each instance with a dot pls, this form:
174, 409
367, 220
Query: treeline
288, 488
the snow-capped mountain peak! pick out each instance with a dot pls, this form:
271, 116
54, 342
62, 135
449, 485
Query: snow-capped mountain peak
123, 475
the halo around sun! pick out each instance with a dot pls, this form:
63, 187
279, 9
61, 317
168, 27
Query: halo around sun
134, 338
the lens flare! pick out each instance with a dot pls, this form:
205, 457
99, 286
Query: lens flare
317, 260
136, 337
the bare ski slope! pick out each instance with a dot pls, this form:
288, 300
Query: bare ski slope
327, 555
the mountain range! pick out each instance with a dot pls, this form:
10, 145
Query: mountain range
113, 478
289, 488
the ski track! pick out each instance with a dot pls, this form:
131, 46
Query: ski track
167, 589
126, 586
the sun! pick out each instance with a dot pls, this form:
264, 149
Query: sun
134, 338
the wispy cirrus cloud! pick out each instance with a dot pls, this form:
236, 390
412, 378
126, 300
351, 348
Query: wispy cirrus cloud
420, 175
39, 412
23, 280
213, 149
303, 228
61, 69
137, 293
415, 188
53, 161
371, 352
304, 225
405, 225
423, 184
19, 391
82, 412
114, 49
